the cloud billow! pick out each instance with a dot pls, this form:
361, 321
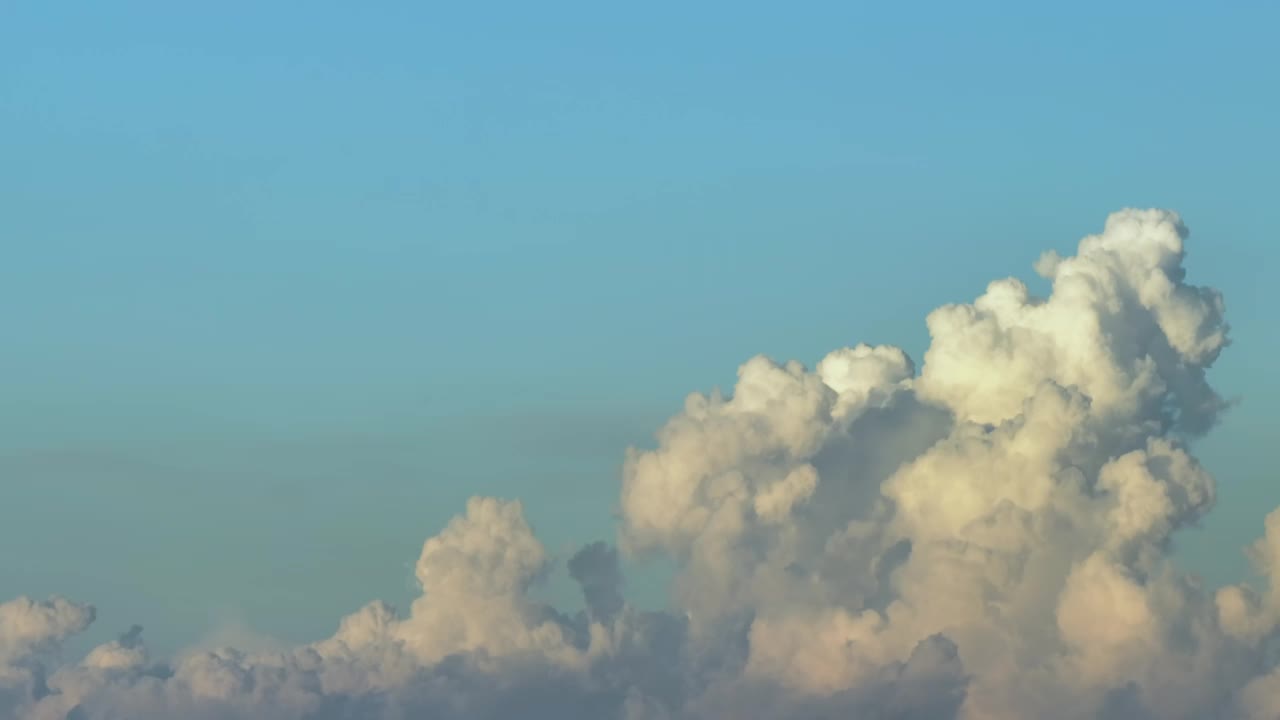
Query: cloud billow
986, 539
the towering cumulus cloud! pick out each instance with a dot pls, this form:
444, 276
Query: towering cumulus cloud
985, 539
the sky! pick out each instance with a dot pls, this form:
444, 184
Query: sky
284, 284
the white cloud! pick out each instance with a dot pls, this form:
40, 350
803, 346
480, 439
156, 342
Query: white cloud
986, 540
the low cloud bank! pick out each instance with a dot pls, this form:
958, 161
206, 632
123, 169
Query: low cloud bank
986, 539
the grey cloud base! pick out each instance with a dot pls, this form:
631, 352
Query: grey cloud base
986, 540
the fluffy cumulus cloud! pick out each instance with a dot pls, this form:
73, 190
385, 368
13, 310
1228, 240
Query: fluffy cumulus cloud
985, 538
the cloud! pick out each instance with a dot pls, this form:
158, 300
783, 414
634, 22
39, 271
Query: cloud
595, 567
986, 539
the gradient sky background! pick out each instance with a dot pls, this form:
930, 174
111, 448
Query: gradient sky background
284, 283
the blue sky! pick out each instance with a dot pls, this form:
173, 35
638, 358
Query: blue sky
282, 286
